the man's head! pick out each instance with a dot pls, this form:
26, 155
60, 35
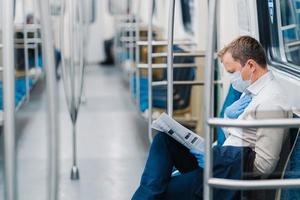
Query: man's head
244, 54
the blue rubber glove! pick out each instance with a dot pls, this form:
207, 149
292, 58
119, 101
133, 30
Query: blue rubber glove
199, 156
234, 110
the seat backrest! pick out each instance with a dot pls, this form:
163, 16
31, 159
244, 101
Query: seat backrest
182, 93
291, 170
286, 152
288, 157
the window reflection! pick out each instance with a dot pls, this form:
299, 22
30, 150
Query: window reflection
290, 17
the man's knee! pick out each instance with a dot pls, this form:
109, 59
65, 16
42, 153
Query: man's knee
161, 137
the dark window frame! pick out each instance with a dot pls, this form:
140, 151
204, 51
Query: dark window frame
266, 32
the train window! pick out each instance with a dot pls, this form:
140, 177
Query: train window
284, 23
187, 7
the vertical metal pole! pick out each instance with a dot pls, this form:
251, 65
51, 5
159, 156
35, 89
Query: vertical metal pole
36, 44
26, 52
208, 96
150, 34
73, 18
53, 131
170, 56
131, 48
84, 31
137, 57
74, 171
10, 184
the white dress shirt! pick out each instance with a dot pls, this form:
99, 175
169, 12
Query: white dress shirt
268, 102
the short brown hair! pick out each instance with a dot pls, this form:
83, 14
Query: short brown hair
244, 48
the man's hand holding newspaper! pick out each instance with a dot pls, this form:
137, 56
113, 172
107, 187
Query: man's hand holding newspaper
175, 130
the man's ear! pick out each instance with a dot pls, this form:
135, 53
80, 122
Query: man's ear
252, 64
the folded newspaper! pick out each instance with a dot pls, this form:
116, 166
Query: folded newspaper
186, 137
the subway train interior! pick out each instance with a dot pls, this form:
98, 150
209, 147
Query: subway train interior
149, 99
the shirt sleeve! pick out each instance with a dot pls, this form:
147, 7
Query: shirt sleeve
268, 140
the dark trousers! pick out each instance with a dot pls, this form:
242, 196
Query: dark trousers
166, 153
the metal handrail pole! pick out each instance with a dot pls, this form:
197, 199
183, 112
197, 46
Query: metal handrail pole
36, 45
170, 57
253, 184
10, 184
26, 52
74, 110
137, 56
150, 34
164, 66
131, 49
266, 123
208, 97
53, 131
161, 83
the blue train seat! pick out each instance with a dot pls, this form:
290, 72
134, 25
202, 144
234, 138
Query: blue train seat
181, 94
20, 91
292, 170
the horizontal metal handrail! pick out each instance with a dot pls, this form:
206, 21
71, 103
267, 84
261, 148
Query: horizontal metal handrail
161, 83
264, 123
127, 28
183, 54
22, 46
253, 184
127, 24
163, 66
129, 39
165, 43
129, 45
125, 17
28, 27
29, 40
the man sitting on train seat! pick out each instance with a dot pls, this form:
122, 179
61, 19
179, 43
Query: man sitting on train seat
257, 149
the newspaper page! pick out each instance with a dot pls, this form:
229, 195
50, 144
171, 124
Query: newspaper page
175, 130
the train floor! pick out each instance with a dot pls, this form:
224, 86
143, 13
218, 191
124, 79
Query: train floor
112, 142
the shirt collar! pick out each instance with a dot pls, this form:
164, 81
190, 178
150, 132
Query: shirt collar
259, 84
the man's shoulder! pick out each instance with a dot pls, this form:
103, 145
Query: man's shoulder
273, 95
273, 89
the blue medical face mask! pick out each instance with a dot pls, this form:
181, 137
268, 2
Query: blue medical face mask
238, 83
